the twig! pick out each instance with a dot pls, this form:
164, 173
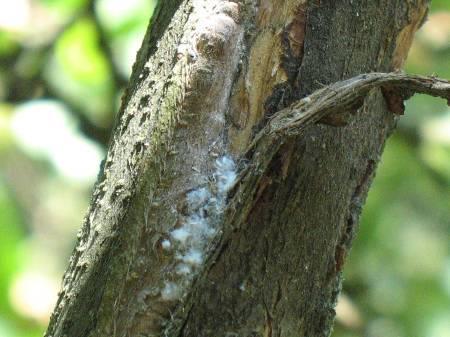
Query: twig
342, 96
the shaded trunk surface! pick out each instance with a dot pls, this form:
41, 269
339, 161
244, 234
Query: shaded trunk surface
211, 74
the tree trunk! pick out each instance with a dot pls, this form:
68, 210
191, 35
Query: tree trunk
163, 251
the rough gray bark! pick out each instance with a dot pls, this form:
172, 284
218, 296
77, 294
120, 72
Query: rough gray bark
199, 224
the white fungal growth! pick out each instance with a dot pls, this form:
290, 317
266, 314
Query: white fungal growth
181, 235
225, 174
197, 198
193, 257
171, 291
201, 228
166, 244
183, 269
191, 240
242, 286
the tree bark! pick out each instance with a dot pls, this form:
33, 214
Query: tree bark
217, 213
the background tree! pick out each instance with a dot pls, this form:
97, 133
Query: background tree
285, 89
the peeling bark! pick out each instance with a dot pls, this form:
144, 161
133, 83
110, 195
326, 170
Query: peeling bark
227, 203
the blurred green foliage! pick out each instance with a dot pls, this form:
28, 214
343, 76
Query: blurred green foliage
60, 57
79, 69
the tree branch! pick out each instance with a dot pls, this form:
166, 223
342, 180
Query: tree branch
349, 94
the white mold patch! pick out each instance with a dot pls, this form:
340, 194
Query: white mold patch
181, 235
193, 257
166, 244
225, 174
209, 54
190, 241
183, 269
197, 198
171, 291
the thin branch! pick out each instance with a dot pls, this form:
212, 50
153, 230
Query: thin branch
349, 94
